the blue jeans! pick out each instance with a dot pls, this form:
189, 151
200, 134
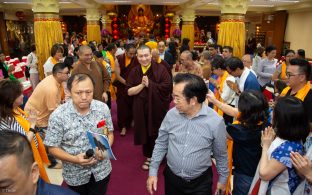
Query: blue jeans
241, 184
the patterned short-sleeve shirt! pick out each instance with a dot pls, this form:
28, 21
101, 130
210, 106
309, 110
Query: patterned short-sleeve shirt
67, 129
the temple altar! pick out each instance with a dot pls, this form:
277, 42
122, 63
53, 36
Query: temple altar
140, 20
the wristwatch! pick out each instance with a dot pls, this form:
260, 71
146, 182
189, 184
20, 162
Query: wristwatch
33, 130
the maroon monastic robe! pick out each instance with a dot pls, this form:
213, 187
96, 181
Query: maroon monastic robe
124, 102
152, 103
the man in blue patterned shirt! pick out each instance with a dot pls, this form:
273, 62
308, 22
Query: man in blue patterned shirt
67, 137
189, 133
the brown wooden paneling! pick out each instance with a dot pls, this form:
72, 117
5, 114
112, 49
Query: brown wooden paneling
275, 30
3, 35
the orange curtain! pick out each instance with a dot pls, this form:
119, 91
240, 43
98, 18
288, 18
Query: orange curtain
232, 34
188, 32
47, 32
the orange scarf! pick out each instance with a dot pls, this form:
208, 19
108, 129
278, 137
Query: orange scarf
301, 94
221, 82
283, 73
127, 61
40, 154
53, 61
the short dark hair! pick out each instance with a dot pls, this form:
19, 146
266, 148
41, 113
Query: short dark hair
304, 66
92, 46
9, 92
228, 48
195, 86
253, 108
78, 78
289, 51
194, 55
55, 48
259, 51
301, 53
215, 46
69, 61
218, 62
98, 54
14, 143
141, 47
270, 48
233, 63
290, 119
111, 46
58, 68
185, 41
129, 46
65, 47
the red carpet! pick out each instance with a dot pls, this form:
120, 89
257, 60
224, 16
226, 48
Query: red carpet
127, 177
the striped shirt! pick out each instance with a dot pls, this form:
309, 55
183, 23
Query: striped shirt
12, 124
189, 143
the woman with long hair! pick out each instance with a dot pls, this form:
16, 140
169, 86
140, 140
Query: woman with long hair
13, 117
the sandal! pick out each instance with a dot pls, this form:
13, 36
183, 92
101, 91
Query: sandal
123, 132
146, 164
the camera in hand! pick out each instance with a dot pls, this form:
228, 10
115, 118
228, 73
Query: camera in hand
89, 153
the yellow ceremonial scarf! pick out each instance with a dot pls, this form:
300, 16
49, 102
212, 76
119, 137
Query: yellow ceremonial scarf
53, 60
221, 82
159, 60
301, 94
113, 76
104, 63
145, 68
283, 73
40, 154
127, 61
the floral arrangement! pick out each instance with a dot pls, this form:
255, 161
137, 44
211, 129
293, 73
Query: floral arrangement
105, 33
176, 33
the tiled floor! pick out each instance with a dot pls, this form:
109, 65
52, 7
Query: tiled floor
55, 176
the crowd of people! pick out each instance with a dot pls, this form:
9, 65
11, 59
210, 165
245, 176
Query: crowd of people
250, 116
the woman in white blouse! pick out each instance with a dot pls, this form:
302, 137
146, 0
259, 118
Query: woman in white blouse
32, 64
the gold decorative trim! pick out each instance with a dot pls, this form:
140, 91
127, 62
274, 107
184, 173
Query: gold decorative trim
188, 23
46, 17
93, 22
232, 18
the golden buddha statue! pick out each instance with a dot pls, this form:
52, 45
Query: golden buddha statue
140, 24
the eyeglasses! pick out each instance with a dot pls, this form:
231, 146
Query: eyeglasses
289, 74
177, 99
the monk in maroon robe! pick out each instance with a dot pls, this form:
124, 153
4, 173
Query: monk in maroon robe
123, 65
150, 85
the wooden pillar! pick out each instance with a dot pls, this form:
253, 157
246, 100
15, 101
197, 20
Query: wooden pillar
3, 35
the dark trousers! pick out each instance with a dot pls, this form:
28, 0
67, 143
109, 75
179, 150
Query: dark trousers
92, 187
175, 185
109, 101
42, 133
241, 184
148, 147
124, 109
